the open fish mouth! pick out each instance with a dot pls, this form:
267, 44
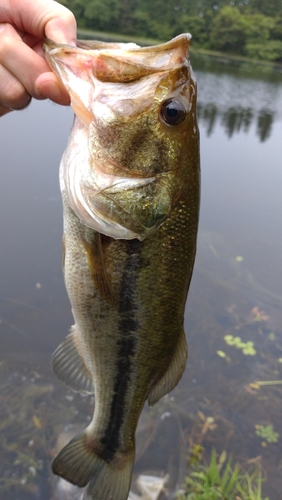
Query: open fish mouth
148, 59
111, 62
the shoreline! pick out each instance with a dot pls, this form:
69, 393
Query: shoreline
220, 57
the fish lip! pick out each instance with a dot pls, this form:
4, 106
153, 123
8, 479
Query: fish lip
116, 63
49, 45
51, 49
178, 40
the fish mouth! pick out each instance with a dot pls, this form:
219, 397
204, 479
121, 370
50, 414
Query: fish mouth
119, 62
77, 67
51, 48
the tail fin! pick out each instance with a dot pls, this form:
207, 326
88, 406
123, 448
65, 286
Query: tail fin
110, 484
80, 465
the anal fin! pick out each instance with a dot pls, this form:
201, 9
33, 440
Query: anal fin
68, 364
173, 373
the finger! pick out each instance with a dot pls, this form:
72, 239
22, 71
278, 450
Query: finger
15, 57
41, 18
62, 29
4, 110
13, 94
47, 84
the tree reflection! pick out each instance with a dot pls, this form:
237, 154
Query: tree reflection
264, 124
207, 114
235, 120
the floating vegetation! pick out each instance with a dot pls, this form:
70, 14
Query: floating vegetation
221, 354
247, 347
259, 315
208, 423
272, 336
267, 433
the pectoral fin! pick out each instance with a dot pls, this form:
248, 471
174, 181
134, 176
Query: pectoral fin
173, 373
98, 271
68, 364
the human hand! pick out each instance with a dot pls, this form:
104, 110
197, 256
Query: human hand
24, 72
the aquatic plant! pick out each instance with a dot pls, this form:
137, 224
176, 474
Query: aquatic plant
267, 433
219, 481
247, 347
251, 489
258, 314
221, 354
211, 483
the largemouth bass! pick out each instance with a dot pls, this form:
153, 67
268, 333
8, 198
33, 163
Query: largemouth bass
130, 187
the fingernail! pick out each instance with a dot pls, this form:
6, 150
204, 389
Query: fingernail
2, 26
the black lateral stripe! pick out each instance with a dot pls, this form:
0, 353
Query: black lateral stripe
126, 344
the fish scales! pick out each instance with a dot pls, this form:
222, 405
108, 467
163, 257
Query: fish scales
130, 188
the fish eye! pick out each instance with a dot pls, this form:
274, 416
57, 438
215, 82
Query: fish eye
173, 112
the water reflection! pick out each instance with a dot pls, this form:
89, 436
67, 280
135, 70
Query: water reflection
264, 124
236, 103
235, 120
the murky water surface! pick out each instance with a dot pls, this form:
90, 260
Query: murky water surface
231, 389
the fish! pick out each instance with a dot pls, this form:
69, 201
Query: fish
129, 180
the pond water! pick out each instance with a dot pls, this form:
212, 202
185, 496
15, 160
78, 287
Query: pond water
231, 391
